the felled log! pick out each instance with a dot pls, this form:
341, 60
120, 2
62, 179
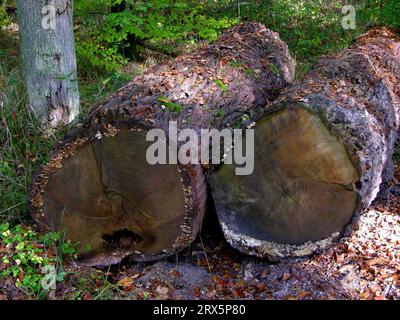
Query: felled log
99, 187
322, 151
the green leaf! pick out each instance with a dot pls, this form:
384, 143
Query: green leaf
220, 84
274, 69
171, 106
163, 99
220, 113
174, 107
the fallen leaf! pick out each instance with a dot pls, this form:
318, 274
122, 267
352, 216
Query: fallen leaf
162, 290
125, 282
286, 276
303, 294
374, 261
87, 296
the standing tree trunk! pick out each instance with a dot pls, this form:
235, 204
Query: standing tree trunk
48, 59
99, 186
322, 151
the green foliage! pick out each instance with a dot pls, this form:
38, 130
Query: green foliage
165, 23
3, 16
235, 64
312, 28
274, 69
26, 256
220, 113
96, 86
4, 19
220, 84
382, 12
171, 106
309, 27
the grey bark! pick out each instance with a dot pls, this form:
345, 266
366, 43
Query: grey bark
48, 59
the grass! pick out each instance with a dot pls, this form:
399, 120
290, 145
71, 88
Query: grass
24, 143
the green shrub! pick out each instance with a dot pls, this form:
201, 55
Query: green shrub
27, 257
165, 23
3, 16
382, 12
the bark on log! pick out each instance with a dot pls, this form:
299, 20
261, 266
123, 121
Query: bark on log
322, 151
98, 185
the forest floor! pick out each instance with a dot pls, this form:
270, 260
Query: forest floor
365, 265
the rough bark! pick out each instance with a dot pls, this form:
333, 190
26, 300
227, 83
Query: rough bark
48, 60
323, 150
99, 187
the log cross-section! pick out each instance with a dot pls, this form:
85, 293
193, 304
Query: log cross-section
322, 151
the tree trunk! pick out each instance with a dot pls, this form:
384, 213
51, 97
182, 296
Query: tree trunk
48, 59
99, 185
322, 151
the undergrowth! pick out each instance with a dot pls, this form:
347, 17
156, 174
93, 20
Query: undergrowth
33, 261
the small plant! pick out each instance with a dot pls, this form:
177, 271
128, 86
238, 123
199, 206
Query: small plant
4, 18
220, 113
274, 69
241, 121
235, 64
27, 256
220, 84
171, 106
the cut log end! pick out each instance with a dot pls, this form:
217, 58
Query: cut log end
302, 190
107, 197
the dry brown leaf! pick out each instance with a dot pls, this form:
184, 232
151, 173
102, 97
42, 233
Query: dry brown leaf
125, 282
286, 276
